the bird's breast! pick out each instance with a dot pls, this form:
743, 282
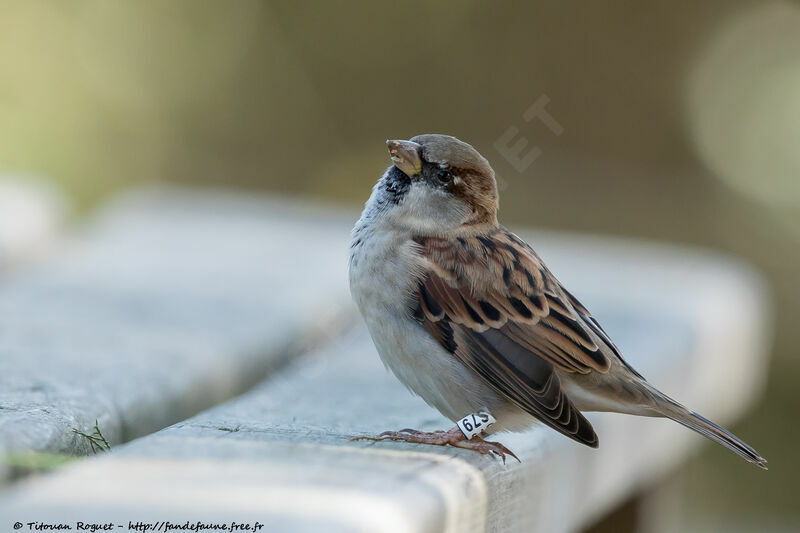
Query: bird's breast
382, 272
384, 284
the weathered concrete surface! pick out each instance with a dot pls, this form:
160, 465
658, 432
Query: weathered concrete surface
31, 215
280, 454
168, 303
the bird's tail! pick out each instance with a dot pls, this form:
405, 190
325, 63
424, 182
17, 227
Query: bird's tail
669, 408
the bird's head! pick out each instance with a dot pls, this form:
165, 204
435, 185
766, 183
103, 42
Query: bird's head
438, 183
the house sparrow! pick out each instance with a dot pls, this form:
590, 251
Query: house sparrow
468, 316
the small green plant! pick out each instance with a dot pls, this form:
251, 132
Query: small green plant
96, 440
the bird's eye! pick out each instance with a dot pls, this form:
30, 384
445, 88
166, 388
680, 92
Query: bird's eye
444, 176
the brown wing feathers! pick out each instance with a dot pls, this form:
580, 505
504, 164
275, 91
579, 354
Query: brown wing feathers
498, 282
491, 302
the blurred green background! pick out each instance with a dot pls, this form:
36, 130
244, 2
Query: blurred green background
680, 121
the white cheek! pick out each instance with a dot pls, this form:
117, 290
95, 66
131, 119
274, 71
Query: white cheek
427, 208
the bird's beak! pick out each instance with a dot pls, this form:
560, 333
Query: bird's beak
406, 156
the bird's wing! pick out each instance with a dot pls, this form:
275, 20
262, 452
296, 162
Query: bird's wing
491, 302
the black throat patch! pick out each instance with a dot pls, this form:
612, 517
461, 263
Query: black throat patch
396, 185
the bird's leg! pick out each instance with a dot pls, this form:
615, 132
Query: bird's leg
453, 437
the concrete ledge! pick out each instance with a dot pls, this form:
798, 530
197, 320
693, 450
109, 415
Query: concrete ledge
694, 323
169, 302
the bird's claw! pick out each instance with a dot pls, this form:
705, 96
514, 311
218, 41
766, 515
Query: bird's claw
493, 448
453, 437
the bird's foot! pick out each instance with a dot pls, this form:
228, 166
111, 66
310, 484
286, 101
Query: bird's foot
453, 437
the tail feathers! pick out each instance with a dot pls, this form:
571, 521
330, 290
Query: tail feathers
709, 429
